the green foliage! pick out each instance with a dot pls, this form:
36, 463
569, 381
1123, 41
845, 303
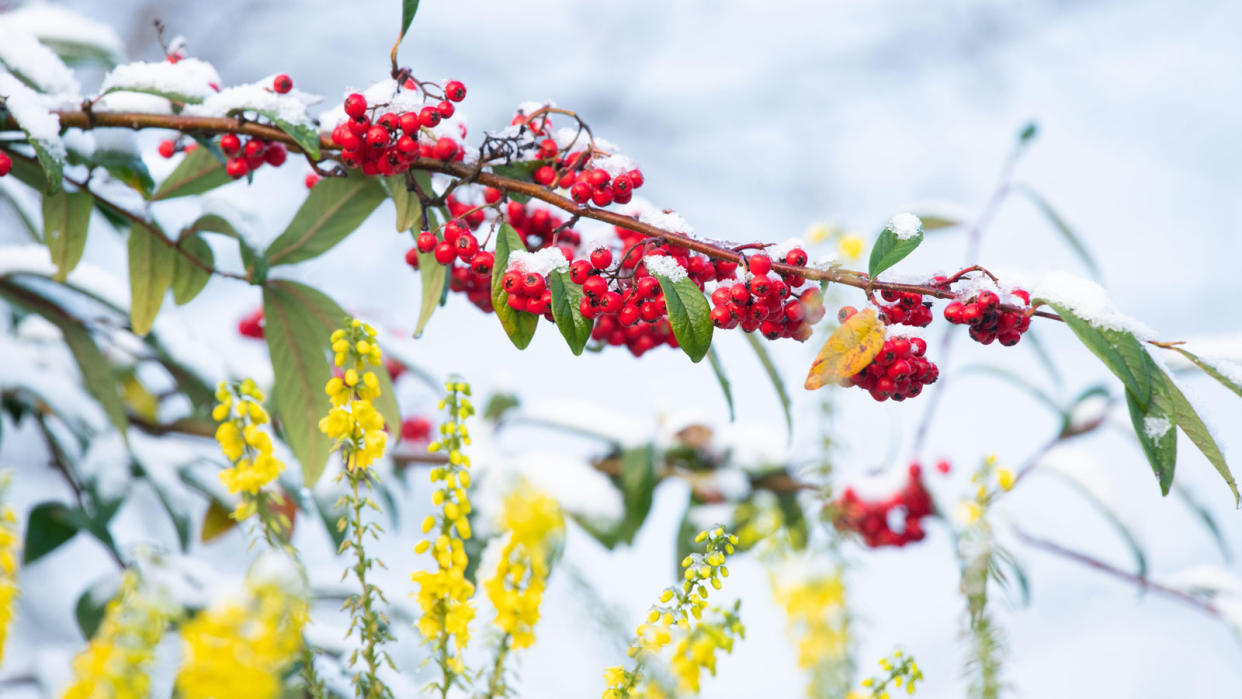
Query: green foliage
519, 326
333, 209
721, 378
434, 279
889, 250
150, 275
566, 299
689, 314
200, 171
66, 216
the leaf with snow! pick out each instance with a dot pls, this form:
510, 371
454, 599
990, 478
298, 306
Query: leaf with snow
433, 277
899, 238
566, 301
288, 111
1192, 426
34, 116
847, 350
35, 64
150, 276
1227, 373
1117, 347
1154, 427
519, 325
333, 209
188, 81
689, 313
198, 172
66, 217
75, 38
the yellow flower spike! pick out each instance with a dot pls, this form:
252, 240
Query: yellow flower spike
990, 460
220, 412
336, 335
868, 682
850, 247
666, 596
1006, 479
351, 378
363, 347
422, 546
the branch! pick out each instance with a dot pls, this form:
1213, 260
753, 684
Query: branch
1142, 582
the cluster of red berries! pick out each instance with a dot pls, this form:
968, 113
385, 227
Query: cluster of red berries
248, 156
987, 320
899, 371
458, 243
593, 185
6, 164
901, 308
390, 143
873, 519
416, 429
251, 325
634, 314
773, 306
528, 291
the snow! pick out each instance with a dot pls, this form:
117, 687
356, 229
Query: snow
576, 485
133, 102
615, 164
644, 211
540, 262
25, 56
778, 251
189, 78
1087, 300
33, 112
53, 23
289, 107
665, 266
905, 225
1156, 427
52, 376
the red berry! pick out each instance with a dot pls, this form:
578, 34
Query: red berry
628, 315
579, 270
918, 346
455, 90
648, 287
167, 149
602, 197
425, 241
595, 286
721, 317
761, 285
236, 167
759, 264
411, 257
491, 195
446, 109
408, 121
275, 155
581, 192
377, 136
344, 137
230, 144
544, 175
466, 246
601, 258
429, 116
533, 284
482, 263
282, 83
311, 180
445, 148
445, 252
845, 313
407, 145
597, 178
636, 178
971, 313
355, 105
621, 185
797, 257
953, 312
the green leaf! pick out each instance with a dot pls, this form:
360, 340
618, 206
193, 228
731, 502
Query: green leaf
1160, 447
566, 300
66, 217
1120, 351
408, 9
889, 250
198, 172
212, 223
297, 345
1192, 425
689, 314
719, 370
53, 166
92, 604
1063, 228
637, 480
434, 276
332, 210
519, 325
126, 167
935, 222
150, 275
1210, 370
49, 525
217, 522
305, 135
778, 383
522, 170
95, 370
409, 208
188, 278
172, 95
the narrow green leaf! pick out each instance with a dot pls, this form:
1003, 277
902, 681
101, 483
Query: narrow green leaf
774, 375
935, 222
1210, 370
306, 136
198, 172
1192, 425
434, 277
566, 301
96, 372
212, 223
297, 346
66, 217
188, 278
1132, 543
172, 95
126, 167
1120, 351
1156, 429
519, 325
92, 604
332, 210
409, 208
408, 9
150, 275
890, 249
689, 314
1207, 518
49, 525
1063, 228
637, 481
719, 370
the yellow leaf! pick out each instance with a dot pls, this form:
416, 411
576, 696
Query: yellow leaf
850, 348
216, 523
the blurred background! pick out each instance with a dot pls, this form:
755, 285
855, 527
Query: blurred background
755, 121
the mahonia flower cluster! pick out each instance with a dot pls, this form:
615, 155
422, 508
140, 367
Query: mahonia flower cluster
680, 611
818, 620
535, 526
117, 663
444, 593
900, 671
249, 449
354, 421
242, 648
10, 547
871, 518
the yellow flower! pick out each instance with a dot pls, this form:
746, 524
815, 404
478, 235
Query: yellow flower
248, 447
533, 521
1006, 478
242, 648
118, 660
10, 546
851, 246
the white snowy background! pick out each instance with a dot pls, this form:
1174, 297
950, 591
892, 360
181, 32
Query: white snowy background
754, 120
